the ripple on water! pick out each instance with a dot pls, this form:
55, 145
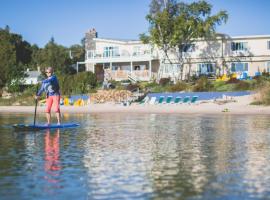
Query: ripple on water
146, 156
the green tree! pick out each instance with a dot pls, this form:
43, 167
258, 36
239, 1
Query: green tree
54, 55
15, 55
77, 54
35, 57
85, 81
77, 83
23, 49
7, 56
175, 25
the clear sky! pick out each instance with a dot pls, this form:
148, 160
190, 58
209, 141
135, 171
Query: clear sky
67, 20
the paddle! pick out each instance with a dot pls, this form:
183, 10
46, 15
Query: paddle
36, 107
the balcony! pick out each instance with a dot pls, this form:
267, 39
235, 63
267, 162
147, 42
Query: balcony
119, 75
125, 56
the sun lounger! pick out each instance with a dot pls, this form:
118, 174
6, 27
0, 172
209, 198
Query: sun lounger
177, 100
152, 100
145, 100
186, 99
194, 99
169, 99
161, 99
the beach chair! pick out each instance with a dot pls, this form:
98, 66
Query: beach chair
177, 100
66, 102
186, 99
145, 100
194, 99
161, 100
169, 99
152, 100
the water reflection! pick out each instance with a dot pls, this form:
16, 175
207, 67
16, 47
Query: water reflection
157, 156
119, 156
52, 163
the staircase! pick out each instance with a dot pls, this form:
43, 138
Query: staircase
133, 79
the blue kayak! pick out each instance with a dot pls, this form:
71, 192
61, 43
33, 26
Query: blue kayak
41, 127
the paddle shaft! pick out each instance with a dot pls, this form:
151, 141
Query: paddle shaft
36, 107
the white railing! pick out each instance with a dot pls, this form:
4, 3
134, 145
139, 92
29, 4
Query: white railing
118, 75
94, 55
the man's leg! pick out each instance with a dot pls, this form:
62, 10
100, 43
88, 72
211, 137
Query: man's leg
49, 102
57, 108
48, 116
58, 116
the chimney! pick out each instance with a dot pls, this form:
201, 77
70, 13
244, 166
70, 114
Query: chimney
90, 44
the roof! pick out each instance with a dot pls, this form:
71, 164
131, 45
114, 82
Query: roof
33, 74
121, 41
250, 37
127, 41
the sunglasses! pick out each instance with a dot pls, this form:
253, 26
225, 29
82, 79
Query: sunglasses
48, 72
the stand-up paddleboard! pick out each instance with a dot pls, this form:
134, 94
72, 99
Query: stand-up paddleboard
42, 127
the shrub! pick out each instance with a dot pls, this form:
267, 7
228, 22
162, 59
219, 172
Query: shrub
148, 86
164, 81
264, 94
202, 84
179, 86
151, 84
242, 85
160, 88
221, 86
132, 87
261, 81
77, 83
233, 80
266, 74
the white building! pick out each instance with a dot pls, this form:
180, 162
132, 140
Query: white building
31, 77
128, 59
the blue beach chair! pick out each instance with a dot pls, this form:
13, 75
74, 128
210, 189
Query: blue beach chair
161, 99
186, 99
169, 99
144, 101
177, 100
194, 99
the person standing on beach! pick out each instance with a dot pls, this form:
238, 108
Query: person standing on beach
51, 87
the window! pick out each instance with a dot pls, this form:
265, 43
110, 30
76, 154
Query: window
268, 66
111, 51
206, 68
268, 45
187, 47
136, 51
126, 67
171, 68
239, 67
90, 54
239, 46
115, 68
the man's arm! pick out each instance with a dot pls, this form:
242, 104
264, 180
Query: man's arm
50, 79
40, 90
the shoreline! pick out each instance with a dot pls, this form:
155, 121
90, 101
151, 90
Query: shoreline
240, 105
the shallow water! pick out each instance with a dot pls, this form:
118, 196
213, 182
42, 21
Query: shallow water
137, 156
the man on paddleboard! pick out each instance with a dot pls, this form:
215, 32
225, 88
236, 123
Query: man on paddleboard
51, 87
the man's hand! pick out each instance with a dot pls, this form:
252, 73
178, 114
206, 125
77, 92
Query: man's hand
37, 97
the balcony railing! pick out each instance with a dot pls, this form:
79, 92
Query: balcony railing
118, 75
95, 55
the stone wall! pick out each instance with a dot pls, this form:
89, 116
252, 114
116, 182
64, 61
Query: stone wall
90, 44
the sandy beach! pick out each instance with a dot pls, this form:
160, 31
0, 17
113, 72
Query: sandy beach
239, 105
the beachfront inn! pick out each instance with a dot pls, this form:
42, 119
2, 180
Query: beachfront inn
118, 60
